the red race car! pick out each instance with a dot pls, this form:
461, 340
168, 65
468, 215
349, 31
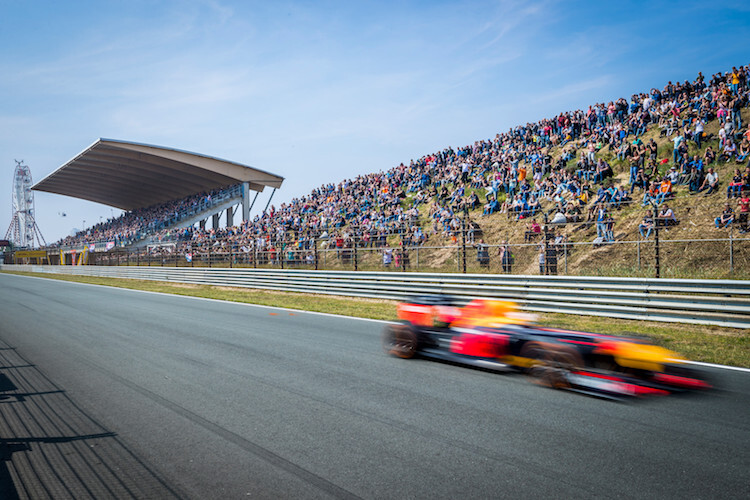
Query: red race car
496, 335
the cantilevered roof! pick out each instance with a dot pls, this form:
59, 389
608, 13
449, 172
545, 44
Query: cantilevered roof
129, 175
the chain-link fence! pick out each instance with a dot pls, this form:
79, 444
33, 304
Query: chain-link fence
544, 253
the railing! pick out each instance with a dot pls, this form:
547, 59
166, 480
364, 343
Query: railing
669, 258
709, 302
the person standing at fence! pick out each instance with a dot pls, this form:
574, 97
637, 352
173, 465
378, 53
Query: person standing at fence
542, 259
506, 257
551, 253
483, 254
387, 257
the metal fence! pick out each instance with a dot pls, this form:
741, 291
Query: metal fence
727, 257
709, 302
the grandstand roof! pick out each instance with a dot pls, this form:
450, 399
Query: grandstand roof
129, 175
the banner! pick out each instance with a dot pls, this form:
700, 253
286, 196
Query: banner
110, 246
92, 247
189, 257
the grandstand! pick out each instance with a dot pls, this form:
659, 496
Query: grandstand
584, 176
157, 187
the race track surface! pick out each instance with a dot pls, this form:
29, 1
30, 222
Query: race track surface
111, 393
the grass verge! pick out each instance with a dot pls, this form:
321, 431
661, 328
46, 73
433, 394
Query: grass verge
710, 344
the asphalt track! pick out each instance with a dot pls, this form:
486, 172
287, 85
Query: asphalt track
111, 393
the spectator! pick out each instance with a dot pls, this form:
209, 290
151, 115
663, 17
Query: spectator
506, 257
709, 156
666, 217
483, 254
710, 183
532, 231
647, 225
652, 194
726, 217
743, 205
387, 257
542, 259
734, 187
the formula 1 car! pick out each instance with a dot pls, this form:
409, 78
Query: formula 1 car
496, 335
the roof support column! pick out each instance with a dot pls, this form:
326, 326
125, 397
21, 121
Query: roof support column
245, 201
230, 216
216, 220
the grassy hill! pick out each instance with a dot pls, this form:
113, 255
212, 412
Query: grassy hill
680, 254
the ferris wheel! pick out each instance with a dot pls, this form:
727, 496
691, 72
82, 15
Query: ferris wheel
23, 230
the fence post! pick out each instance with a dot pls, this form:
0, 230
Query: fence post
656, 248
209, 253
356, 252
315, 252
731, 249
638, 252
463, 244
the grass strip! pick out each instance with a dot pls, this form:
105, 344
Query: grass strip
709, 344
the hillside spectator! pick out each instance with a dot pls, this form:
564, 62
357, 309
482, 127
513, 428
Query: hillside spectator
710, 183
641, 181
709, 156
601, 221
652, 194
744, 150
609, 227
532, 231
698, 132
647, 225
743, 206
726, 217
728, 152
735, 186
666, 217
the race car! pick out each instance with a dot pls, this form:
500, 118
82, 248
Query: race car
496, 335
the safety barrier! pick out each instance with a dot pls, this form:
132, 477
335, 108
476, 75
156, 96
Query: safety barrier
708, 302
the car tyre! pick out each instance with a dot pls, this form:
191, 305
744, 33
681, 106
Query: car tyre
400, 341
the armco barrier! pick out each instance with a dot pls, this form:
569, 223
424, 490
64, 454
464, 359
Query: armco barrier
708, 302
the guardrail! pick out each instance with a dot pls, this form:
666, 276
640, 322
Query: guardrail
709, 302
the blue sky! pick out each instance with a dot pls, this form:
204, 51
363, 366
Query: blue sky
321, 91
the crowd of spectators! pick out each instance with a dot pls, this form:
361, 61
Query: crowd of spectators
136, 224
515, 171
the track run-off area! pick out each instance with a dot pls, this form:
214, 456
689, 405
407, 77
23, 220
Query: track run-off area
114, 393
